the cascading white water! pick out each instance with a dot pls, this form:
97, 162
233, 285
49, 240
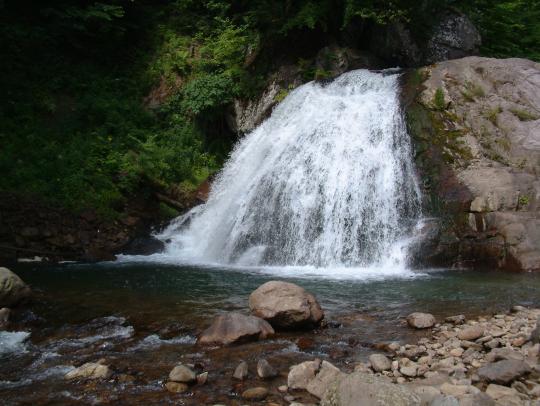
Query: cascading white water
326, 181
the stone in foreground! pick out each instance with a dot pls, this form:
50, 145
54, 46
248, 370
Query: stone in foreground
233, 327
285, 305
302, 374
241, 371
420, 320
258, 393
380, 362
503, 372
367, 390
471, 333
182, 374
12, 289
90, 370
176, 387
265, 370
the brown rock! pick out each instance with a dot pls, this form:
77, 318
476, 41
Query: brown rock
265, 370
182, 374
503, 372
421, 320
233, 327
471, 333
4, 317
176, 387
241, 371
285, 305
258, 393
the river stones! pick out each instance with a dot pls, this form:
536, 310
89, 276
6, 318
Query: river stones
257, 393
300, 375
12, 289
285, 305
420, 320
380, 362
503, 372
327, 374
176, 387
471, 333
234, 327
90, 370
265, 370
241, 371
182, 374
367, 390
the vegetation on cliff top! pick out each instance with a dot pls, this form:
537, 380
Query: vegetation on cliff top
74, 124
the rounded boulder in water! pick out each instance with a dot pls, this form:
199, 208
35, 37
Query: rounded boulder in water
421, 320
12, 289
286, 306
234, 327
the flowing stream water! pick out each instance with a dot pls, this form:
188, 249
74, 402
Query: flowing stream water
326, 182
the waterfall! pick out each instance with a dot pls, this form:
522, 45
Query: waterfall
326, 181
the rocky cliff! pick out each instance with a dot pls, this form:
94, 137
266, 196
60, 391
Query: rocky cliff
476, 128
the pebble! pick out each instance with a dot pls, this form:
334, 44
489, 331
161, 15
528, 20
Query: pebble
257, 393
241, 371
265, 370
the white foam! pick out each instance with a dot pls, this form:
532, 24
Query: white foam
13, 342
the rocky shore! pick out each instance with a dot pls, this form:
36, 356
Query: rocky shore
486, 360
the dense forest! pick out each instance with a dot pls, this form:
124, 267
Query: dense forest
80, 127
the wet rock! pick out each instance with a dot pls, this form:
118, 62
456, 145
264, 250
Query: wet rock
202, 378
421, 320
455, 36
300, 375
12, 289
327, 374
471, 333
176, 387
380, 362
503, 372
459, 319
367, 390
4, 317
258, 393
265, 370
241, 371
182, 374
234, 327
285, 305
90, 370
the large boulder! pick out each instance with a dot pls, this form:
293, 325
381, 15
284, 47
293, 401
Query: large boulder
367, 390
455, 36
475, 125
12, 289
234, 327
285, 305
503, 372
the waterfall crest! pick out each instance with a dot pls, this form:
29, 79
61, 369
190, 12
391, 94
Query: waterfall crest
326, 181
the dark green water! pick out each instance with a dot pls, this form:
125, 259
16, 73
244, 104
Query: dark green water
177, 291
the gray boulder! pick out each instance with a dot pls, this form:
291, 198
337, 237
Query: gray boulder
455, 36
12, 289
420, 320
285, 305
380, 362
503, 372
234, 327
182, 374
241, 372
367, 390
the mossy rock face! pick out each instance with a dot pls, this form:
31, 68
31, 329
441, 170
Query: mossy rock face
469, 149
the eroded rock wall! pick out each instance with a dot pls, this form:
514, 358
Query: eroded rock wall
476, 128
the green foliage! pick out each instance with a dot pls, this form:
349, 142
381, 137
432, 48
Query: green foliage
523, 200
524, 115
208, 92
438, 100
492, 115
